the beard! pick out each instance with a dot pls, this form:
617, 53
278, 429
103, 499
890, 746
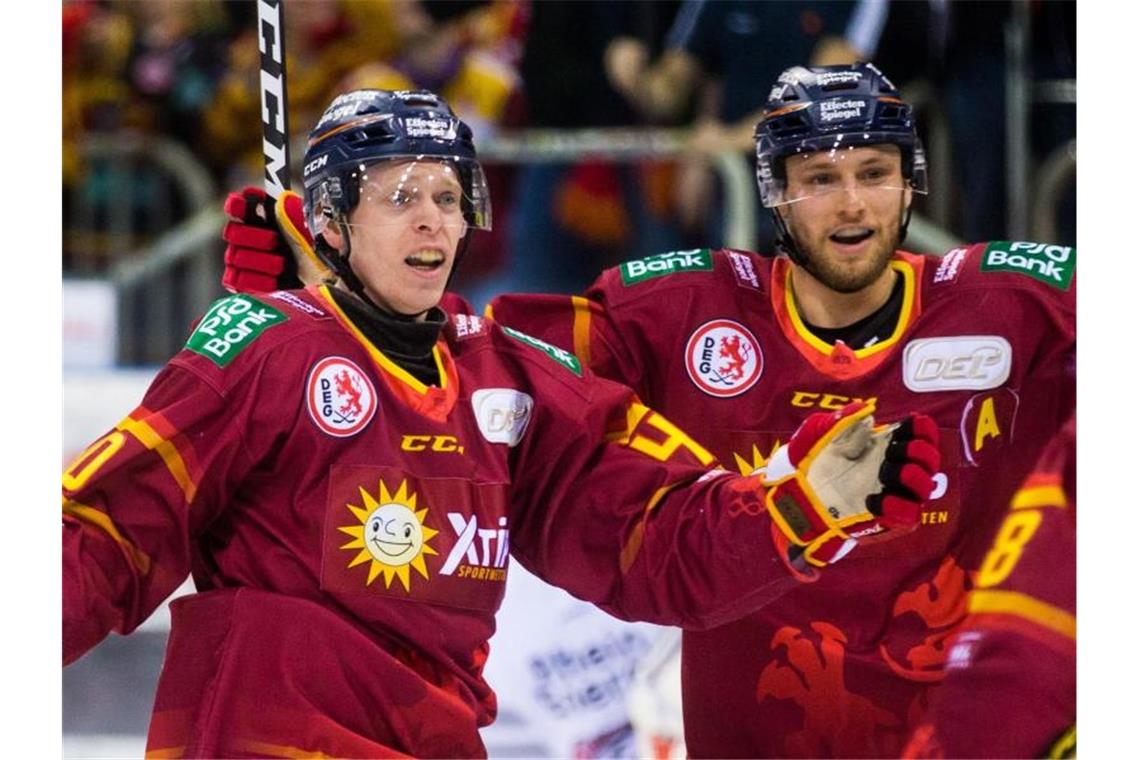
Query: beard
846, 276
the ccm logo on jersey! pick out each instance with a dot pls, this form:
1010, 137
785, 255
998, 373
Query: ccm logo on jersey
965, 362
340, 397
442, 444
502, 414
723, 358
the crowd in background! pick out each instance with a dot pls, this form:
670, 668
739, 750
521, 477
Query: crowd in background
187, 70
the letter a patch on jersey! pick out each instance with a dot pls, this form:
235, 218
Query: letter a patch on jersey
987, 425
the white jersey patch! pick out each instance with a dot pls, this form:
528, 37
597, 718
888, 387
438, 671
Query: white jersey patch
963, 362
502, 413
340, 397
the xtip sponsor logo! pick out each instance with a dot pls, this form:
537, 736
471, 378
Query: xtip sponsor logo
340, 397
696, 260
723, 358
485, 549
502, 414
964, 362
231, 325
1051, 264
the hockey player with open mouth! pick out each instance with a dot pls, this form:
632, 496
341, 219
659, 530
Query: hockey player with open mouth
347, 470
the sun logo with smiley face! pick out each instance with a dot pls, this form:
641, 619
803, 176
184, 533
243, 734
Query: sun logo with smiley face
391, 535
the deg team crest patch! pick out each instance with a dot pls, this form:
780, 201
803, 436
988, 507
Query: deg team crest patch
340, 397
723, 358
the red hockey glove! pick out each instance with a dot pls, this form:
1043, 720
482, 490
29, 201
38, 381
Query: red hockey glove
268, 246
840, 479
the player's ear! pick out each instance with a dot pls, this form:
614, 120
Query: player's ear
332, 236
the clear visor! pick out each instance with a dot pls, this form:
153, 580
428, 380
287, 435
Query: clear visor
871, 172
451, 191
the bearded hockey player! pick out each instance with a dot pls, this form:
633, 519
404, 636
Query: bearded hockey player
735, 346
345, 471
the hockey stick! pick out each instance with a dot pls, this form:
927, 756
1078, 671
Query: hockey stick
274, 116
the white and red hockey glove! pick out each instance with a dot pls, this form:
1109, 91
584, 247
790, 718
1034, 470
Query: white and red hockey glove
268, 246
840, 479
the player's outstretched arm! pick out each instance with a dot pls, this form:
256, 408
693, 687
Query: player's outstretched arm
620, 507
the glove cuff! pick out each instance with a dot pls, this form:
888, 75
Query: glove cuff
806, 521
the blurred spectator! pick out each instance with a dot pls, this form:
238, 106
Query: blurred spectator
959, 48
188, 69
568, 221
138, 68
719, 59
324, 41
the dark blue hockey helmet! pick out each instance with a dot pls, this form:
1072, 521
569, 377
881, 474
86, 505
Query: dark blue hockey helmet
363, 127
831, 108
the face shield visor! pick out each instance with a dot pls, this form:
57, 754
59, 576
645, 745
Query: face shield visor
451, 190
865, 164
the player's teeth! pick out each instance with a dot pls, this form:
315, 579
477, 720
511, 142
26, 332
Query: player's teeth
425, 258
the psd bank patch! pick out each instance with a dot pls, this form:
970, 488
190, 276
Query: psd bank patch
639, 270
229, 326
1051, 264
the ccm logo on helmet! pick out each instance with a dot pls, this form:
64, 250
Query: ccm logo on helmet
967, 362
315, 164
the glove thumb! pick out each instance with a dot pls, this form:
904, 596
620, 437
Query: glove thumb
290, 213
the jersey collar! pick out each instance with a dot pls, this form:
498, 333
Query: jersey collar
841, 361
428, 400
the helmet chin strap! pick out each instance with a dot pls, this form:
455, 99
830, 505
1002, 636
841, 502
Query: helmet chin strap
785, 243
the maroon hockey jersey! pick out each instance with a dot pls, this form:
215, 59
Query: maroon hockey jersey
985, 344
349, 528
1011, 672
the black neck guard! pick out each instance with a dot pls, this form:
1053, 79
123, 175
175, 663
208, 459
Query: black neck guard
402, 339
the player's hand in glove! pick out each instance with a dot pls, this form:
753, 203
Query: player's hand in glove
840, 478
268, 246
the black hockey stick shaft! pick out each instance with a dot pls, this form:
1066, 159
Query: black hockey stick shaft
274, 116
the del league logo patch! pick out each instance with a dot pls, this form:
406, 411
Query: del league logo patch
723, 358
340, 397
